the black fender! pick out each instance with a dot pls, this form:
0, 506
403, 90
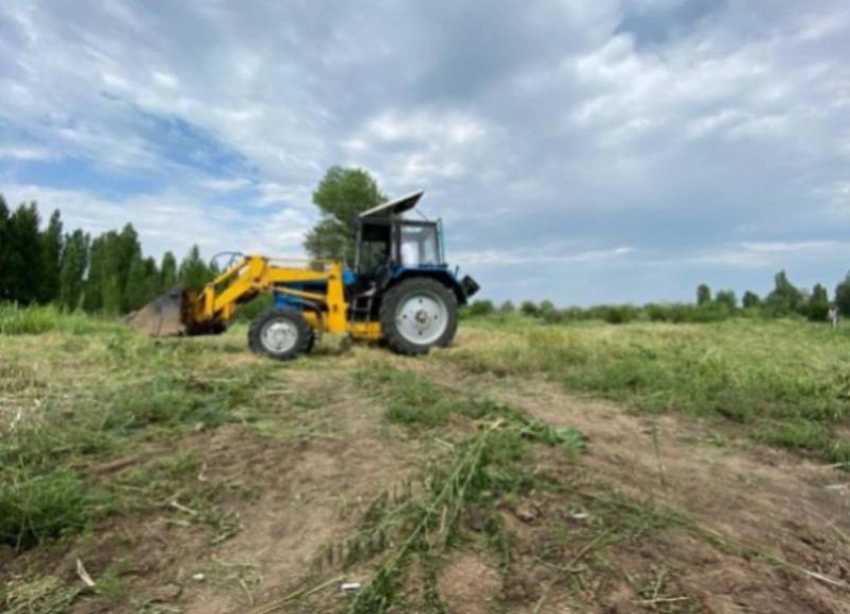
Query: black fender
462, 289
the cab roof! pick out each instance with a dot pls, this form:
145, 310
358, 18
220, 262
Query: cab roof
393, 208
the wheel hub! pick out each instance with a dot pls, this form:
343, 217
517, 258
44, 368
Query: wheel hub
279, 336
422, 318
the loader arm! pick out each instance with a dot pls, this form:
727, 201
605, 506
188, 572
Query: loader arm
218, 302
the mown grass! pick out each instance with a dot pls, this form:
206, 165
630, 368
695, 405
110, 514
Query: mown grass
70, 403
484, 467
417, 402
787, 382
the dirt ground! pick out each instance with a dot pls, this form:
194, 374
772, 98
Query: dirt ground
659, 514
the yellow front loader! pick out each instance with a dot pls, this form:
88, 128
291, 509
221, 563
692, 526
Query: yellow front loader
400, 291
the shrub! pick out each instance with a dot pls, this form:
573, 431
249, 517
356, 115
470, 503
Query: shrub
621, 314
15, 320
481, 308
710, 312
751, 300
657, 313
817, 308
529, 308
727, 298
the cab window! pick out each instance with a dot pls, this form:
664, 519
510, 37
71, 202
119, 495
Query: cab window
419, 245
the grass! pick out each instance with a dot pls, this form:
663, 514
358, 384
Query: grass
37, 595
70, 402
417, 402
36, 320
73, 404
35, 508
482, 469
787, 382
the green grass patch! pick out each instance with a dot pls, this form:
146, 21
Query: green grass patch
417, 402
106, 395
756, 373
35, 508
36, 320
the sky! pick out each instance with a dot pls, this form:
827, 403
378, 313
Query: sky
578, 151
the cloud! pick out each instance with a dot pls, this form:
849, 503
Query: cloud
546, 256
672, 139
174, 221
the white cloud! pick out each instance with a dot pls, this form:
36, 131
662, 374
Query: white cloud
545, 256
642, 125
765, 255
26, 152
173, 221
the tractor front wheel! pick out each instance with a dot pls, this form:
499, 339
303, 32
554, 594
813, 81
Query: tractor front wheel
418, 314
280, 333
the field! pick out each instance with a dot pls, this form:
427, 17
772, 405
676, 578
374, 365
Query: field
530, 468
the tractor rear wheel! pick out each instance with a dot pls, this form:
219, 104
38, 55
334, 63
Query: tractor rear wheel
280, 333
418, 314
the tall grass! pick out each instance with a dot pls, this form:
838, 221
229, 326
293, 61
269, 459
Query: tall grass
787, 381
37, 319
34, 508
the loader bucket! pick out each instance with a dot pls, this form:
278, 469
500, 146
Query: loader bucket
162, 317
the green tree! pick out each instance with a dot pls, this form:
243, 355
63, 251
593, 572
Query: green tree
93, 287
817, 308
481, 308
5, 252
842, 296
727, 298
194, 274
136, 291
529, 308
168, 272
25, 262
751, 300
703, 294
113, 274
128, 251
51, 249
785, 299
507, 307
546, 310
153, 279
73, 269
342, 194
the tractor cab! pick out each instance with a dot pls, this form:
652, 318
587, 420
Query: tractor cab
386, 241
392, 249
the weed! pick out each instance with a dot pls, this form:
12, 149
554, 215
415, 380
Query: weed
34, 508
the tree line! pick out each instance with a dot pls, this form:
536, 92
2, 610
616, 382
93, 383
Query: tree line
785, 300
106, 274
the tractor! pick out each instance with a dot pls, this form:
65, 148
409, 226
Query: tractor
400, 292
